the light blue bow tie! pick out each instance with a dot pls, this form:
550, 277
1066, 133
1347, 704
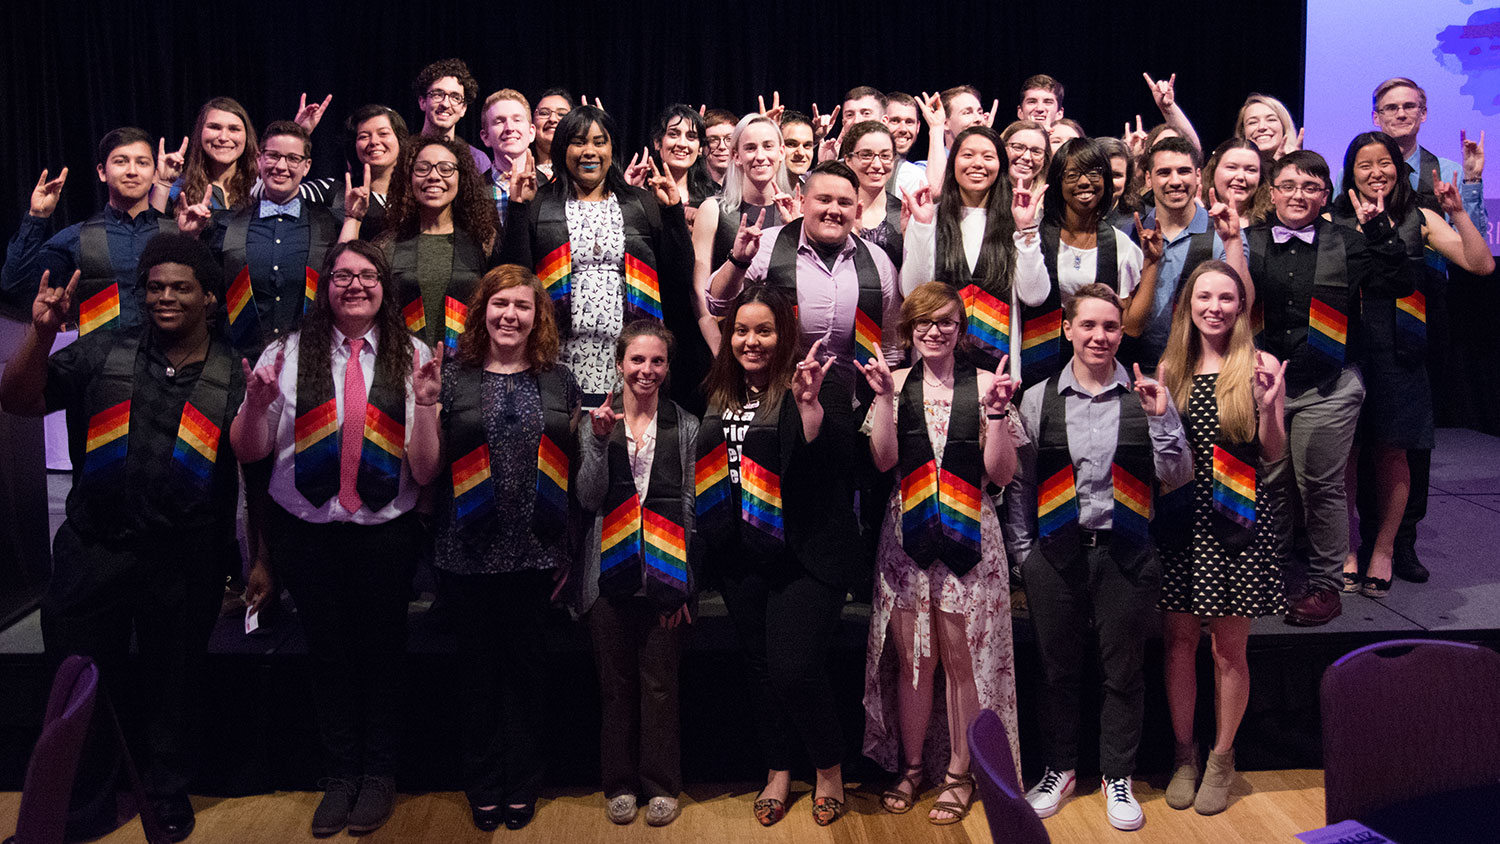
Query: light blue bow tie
271, 209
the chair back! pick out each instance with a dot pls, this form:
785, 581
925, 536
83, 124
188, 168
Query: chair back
49, 774
1012, 820
1405, 719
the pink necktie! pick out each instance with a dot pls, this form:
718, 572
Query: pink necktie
352, 436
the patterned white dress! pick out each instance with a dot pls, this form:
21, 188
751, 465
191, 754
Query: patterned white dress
597, 233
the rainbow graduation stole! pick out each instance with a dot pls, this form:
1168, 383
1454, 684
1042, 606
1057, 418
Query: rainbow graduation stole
414, 314
869, 306
756, 522
1043, 351
713, 500
553, 456
197, 447
1327, 331
244, 317
989, 321
455, 313
940, 506
1041, 343
642, 291
318, 436
1411, 320
1132, 477
644, 544
101, 310
107, 442
468, 264
309, 289
556, 272
1234, 495
473, 494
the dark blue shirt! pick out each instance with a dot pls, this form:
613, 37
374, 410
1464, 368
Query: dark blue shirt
276, 251
27, 256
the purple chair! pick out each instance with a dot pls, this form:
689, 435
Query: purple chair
49, 775
1012, 820
1406, 719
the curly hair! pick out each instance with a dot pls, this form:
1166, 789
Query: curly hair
242, 175
473, 210
447, 67
543, 342
314, 348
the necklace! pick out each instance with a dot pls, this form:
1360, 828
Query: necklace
173, 367
937, 383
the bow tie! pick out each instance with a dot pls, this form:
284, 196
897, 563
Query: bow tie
1281, 234
294, 209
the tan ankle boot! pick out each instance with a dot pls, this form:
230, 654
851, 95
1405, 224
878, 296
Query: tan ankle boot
1218, 776
1184, 777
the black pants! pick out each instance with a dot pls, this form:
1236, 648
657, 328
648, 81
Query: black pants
351, 584
1063, 603
786, 627
501, 623
637, 659
167, 592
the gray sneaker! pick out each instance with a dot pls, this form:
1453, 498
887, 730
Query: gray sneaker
377, 798
332, 814
621, 808
662, 811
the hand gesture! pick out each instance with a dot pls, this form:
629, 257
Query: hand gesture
998, 396
808, 379
1366, 211
169, 164
1135, 139
680, 616
1153, 395
45, 195
604, 417
192, 219
878, 374
261, 386
1165, 93
919, 205
747, 238
357, 198
931, 106
1270, 384
789, 205
823, 123
1152, 246
1225, 218
828, 148
1025, 202
426, 380
49, 312
1447, 194
638, 169
663, 185
776, 109
523, 179
309, 116
989, 116
1473, 154
1291, 143
597, 102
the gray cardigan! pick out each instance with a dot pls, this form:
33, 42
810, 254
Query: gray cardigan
592, 484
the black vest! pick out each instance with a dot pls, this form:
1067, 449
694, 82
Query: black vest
1043, 348
782, 272
469, 264
1321, 343
729, 226
253, 312
97, 299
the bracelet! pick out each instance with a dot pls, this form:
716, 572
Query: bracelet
744, 265
996, 417
428, 404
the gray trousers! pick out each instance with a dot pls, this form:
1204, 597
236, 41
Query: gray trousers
1320, 432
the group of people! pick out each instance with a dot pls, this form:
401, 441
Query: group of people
765, 356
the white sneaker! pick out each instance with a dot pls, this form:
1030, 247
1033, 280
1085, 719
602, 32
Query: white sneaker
1046, 797
1119, 803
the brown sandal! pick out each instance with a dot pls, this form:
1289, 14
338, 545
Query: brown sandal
899, 802
957, 811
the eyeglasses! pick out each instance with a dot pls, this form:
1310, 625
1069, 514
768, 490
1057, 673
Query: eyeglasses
438, 95
944, 326
1294, 188
865, 156
423, 169
718, 141
344, 278
292, 159
1022, 149
544, 113
1393, 109
1070, 177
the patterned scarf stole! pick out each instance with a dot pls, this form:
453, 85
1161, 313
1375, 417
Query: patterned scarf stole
244, 314
645, 544
940, 506
468, 266
869, 307
98, 294
640, 286
318, 435
114, 460
756, 521
986, 300
1132, 476
1043, 350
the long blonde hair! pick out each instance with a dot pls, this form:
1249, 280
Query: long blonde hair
1235, 390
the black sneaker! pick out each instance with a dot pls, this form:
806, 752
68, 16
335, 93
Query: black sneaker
377, 797
332, 814
176, 815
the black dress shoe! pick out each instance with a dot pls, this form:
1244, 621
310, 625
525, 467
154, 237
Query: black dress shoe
487, 820
1407, 567
518, 817
176, 815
